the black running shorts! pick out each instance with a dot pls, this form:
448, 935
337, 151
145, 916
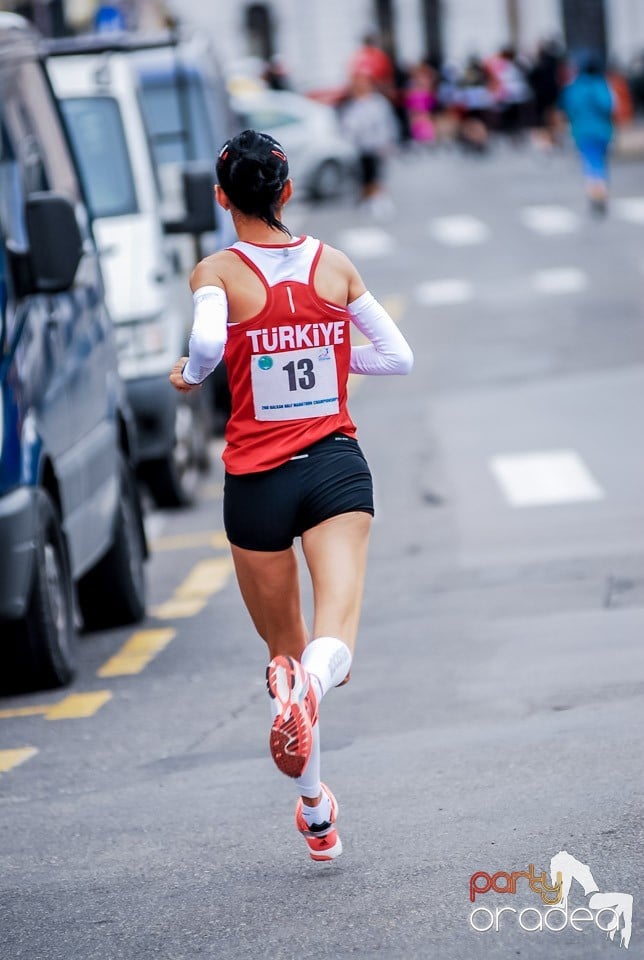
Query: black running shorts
266, 510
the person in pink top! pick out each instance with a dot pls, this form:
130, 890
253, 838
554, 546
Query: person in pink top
420, 101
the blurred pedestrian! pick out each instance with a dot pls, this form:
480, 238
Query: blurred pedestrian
420, 102
512, 92
624, 110
447, 113
397, 99
589, 104
275, 74
545, 79
388, 76
636, 81
475, 101
368, 120
371, 60
279, 310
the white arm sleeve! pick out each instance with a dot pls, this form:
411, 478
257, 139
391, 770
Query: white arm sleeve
388, 351
209, 333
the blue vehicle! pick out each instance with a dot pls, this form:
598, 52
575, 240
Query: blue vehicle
71, 535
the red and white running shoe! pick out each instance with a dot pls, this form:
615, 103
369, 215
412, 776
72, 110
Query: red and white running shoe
291, 736
322, 839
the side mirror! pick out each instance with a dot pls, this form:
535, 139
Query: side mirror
55, 242
199, 203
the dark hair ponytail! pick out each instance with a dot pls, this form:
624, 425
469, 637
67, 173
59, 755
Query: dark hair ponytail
252, 169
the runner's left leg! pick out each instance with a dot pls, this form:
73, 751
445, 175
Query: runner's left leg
270, 587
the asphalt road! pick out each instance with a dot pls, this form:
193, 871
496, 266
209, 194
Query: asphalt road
495, 713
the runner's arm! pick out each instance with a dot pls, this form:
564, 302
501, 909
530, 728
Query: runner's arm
209, 333
388, 352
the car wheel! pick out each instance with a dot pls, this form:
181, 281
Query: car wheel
40, 651
329, 180
113, 592
173, 480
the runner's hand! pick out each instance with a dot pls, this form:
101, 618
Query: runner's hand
176, 377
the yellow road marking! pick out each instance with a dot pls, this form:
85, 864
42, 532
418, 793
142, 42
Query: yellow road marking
72, 707
136, 652
13, 758
206, 578
190, 597
178, 609
203, 538
78, 705
23, 712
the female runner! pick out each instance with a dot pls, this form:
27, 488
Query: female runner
278, 309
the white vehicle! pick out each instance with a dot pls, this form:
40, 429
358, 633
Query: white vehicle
187, 112
188, 116
321, 161
148, 296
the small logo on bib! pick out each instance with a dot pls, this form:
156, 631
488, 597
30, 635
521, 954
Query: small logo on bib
265, 363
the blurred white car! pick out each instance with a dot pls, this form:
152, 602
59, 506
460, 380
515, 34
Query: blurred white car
321, 161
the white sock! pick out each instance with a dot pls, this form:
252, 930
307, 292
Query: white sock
319, 814
308, 785
328, 660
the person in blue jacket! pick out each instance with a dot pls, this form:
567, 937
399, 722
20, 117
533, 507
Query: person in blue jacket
589, 105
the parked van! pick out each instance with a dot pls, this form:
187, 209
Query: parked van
70, 517
188, 116
147, 288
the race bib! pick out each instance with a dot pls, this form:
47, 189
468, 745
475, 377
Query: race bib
295, 384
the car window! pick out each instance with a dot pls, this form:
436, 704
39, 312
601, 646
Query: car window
98, 138
268, 118
177, 120
33, 127
12, 222
12, 219
34, 156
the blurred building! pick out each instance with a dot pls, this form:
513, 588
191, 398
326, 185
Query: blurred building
314, 39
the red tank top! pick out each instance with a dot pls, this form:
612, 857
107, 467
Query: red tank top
288, 365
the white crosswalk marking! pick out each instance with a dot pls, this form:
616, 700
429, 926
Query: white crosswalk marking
560, 280
366, 242
630, 209
458, 231
549, 220
545, 478
439, 293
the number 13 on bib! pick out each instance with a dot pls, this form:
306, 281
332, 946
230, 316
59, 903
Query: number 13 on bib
295, 384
